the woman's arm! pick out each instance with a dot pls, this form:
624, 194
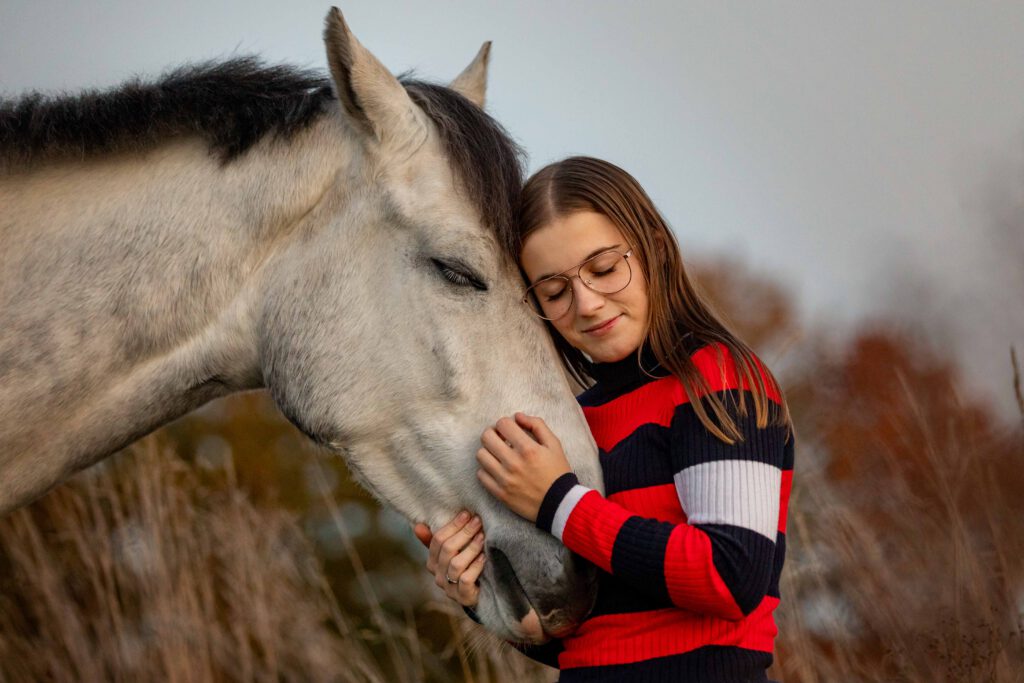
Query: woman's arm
720, 561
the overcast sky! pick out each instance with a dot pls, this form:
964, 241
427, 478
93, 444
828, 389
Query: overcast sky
870, 156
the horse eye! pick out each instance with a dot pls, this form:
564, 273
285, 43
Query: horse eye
459, 275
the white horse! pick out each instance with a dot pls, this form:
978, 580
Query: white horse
343, 242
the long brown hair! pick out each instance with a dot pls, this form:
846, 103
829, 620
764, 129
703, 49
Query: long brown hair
675, 308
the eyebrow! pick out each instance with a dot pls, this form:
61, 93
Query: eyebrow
591, 255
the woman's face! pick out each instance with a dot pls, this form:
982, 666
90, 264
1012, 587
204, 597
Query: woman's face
607, 327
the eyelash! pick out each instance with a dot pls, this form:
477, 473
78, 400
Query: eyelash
458, 277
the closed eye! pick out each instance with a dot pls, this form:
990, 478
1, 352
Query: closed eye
459, 275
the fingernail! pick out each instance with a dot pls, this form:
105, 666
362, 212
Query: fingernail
463, 516
476, 521
478, 538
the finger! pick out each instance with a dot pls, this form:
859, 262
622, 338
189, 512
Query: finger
466, 557
464, 590
445, 532
490, 464
541, 432
494, 442
423, 534
469, 590
490, 484
509, 430
457, 543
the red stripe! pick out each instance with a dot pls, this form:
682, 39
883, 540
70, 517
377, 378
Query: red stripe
787, 486
656, 402
592, 527
721, 375
658, 502
691, 577
633, 637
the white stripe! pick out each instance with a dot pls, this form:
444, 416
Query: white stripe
565, 509
737, 492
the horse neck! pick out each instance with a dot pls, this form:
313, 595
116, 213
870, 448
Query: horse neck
126, 285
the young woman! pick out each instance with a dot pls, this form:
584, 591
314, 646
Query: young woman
695, 443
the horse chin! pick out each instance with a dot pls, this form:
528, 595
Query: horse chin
532, 630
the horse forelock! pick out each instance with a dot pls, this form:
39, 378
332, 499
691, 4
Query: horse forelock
482, 154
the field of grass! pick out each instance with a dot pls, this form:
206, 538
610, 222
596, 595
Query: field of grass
186, 559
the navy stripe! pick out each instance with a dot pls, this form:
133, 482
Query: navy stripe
708, 664
692, 444
602, 393
616, 596
745, 561
638, 555
638, 461
553, 498
780, 557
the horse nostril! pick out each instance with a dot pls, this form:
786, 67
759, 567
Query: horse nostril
505, 578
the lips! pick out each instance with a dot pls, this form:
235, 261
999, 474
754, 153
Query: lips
602, 326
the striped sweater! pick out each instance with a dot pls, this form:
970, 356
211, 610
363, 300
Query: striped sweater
689, 537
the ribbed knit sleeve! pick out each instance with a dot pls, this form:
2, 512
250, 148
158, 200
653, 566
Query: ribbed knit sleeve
719, 560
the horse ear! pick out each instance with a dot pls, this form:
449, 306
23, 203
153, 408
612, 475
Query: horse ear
472, 82
372, 97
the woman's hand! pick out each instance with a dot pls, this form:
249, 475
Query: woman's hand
519, 461
456, 553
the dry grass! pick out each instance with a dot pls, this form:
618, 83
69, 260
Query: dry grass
930, 595
139, 570
136, 572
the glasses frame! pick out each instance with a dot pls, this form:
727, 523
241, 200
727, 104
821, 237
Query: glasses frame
568, 278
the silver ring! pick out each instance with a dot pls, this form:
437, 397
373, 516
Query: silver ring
450, 580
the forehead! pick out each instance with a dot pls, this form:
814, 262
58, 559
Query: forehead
566, 241
425, 189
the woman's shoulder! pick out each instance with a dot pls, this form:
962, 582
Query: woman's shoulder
720, 369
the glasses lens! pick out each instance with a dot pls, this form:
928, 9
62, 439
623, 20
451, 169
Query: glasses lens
606, 273
551, 298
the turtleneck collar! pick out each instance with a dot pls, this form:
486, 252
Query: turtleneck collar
628, 370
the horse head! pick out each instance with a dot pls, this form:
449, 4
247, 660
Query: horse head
392, 329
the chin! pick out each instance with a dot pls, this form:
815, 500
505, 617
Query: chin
612, 352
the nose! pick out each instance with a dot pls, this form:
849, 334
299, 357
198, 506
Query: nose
588, 301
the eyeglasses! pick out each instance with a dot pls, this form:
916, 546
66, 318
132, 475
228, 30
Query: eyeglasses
605, 273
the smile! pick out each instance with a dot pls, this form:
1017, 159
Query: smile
604, 327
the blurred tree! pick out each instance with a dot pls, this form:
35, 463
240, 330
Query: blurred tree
911, 516
752, 305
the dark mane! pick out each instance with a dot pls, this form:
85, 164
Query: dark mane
481, 152
232, 105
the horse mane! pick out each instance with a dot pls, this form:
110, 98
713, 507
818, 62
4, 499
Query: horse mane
230, 104
235, 103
